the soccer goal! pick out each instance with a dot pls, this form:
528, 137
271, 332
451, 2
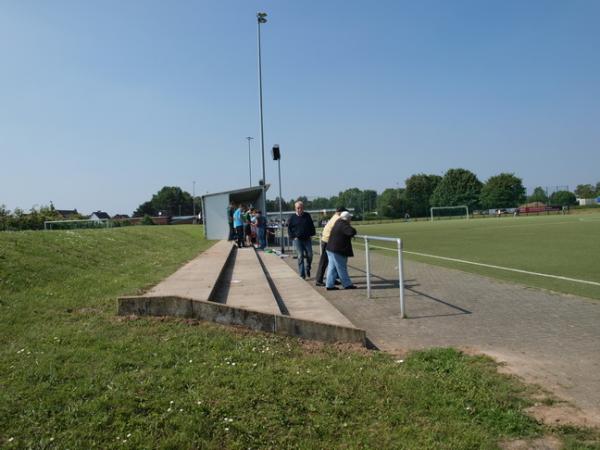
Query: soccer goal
449, 212
76, 224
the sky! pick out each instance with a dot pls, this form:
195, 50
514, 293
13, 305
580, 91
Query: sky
102, 103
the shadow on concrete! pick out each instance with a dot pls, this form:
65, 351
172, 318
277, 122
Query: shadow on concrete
461, 311
221, 289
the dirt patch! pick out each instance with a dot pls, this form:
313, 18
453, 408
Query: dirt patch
88, 311
543, 443
128, 318
553, 405
563, 414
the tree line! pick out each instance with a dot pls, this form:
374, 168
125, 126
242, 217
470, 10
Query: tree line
457, 187
421, 192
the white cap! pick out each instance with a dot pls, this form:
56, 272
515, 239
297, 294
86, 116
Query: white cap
345, 215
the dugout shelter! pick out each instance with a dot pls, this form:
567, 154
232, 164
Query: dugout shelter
214, 207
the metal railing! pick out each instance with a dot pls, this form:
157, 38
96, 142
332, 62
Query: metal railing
367, 240
368, 243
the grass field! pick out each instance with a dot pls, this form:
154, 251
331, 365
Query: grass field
74, 375
567, 246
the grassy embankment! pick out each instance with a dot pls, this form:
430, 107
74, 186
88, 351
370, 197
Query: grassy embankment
565, 246
73, 375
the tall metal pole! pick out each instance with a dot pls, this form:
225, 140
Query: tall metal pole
194, 201
280, 208
261, 18
249, 160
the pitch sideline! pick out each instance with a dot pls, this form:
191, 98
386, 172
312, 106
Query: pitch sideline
509, 269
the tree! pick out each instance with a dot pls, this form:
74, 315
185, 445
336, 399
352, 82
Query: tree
369, 200
351, 198
597, 193
170, 199
502, 191
457, 187
321, 203
585, 191
539, 195
145, 208
392, 203
419, 189
563, 198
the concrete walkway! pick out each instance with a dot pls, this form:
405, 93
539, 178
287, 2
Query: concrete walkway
249, 288
300, 302
546, 338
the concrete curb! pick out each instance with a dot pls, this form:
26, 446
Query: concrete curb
227, 315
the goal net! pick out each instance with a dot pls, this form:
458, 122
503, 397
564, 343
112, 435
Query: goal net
449, 212
76, 224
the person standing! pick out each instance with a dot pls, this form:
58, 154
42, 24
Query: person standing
238, 223
261, 230
323, 260
230, 210
339, 248
300, 230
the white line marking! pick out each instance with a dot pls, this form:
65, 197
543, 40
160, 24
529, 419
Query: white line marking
510, 269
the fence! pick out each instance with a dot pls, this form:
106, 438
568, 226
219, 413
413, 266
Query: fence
383, 269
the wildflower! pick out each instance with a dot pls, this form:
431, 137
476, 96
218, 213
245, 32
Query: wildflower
226, 428
399, 361
190, 361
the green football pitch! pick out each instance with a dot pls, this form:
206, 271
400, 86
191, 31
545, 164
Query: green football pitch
561, 253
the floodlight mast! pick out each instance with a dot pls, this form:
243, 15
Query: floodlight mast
261, 18
249, 160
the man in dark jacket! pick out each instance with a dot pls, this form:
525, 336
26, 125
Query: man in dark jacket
339, 248
301, 229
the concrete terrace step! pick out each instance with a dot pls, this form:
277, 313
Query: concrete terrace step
196, 279
249, 288
301, 300
229, 286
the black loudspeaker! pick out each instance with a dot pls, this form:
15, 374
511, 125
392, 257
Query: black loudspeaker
275, 152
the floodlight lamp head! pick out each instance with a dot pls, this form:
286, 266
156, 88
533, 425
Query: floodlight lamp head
262, 17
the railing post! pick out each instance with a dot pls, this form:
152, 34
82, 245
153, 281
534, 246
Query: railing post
368, 266
401, 278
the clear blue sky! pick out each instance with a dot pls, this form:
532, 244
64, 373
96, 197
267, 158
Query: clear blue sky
104, 102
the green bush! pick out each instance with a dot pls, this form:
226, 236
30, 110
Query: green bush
147, 220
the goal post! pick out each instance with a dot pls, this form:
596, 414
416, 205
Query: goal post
454, 211
76, 224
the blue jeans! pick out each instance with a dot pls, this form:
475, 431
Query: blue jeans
304, 250
338, 267
262, 237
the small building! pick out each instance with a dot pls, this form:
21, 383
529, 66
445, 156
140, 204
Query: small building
120, 217
67, 213
214, 207
588, 201
99, 215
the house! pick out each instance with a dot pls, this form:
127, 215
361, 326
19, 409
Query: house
99, 215
120, 217
67, 213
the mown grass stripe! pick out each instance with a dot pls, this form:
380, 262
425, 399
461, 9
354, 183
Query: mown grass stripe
492, 266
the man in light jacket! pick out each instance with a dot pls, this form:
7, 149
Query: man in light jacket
323, 260
339, 248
